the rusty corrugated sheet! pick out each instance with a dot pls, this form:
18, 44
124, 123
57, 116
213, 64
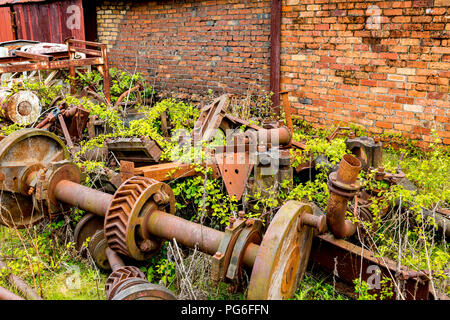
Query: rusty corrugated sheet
6, 30
49, 21
3, 2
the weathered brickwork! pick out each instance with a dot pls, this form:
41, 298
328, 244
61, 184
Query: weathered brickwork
190, 46
381, 64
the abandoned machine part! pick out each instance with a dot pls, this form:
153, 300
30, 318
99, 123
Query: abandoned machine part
18, 283
8, 295
25, 158
132, 205
22, 107
283, 255
130, 283
140, 215
343, 185
368, 150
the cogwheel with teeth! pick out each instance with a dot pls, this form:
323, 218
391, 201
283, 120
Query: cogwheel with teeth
133, 202
119, 276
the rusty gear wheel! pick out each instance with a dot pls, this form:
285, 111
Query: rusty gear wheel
125, 221
118, 277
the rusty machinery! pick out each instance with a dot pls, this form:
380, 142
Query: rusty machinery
38, 178
140, 216
22, 107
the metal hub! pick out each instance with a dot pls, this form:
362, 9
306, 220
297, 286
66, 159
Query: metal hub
128, 213
283, 255
23, 154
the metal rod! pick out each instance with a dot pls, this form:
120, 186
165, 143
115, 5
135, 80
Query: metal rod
19, 284
8, 295
190, 234
114, 260
85, 198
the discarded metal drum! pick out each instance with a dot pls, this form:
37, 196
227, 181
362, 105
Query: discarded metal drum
22, 107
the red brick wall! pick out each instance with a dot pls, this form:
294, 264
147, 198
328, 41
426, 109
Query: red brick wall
190, 46
391, 76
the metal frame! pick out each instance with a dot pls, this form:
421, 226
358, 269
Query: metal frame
62, 60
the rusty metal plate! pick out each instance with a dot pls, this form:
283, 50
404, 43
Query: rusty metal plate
283, 255
235, 169
210, 119
140, 150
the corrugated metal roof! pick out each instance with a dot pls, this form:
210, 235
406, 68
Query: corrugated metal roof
3, 2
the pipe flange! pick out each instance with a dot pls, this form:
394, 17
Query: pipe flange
119, 276
339, 184
125, 221
342, 192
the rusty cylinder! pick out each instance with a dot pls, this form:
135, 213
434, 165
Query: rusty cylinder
346, 175
114, 259
85, 198
276, 136
190, 234
8, 295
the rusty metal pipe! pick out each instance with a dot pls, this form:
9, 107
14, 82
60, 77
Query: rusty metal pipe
19, 284
8, 295
83, 197
346, 176
114, 260
190, 234
281, 136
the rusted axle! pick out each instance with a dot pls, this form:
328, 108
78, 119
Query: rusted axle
190, 234
83, 197
160, 224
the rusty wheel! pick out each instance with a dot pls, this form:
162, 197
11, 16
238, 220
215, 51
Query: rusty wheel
86, 228
145, 291
129, 210
283, 254
22, 107
23, 152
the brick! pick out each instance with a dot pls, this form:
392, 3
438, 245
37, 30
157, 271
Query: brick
413, 108
383, 124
